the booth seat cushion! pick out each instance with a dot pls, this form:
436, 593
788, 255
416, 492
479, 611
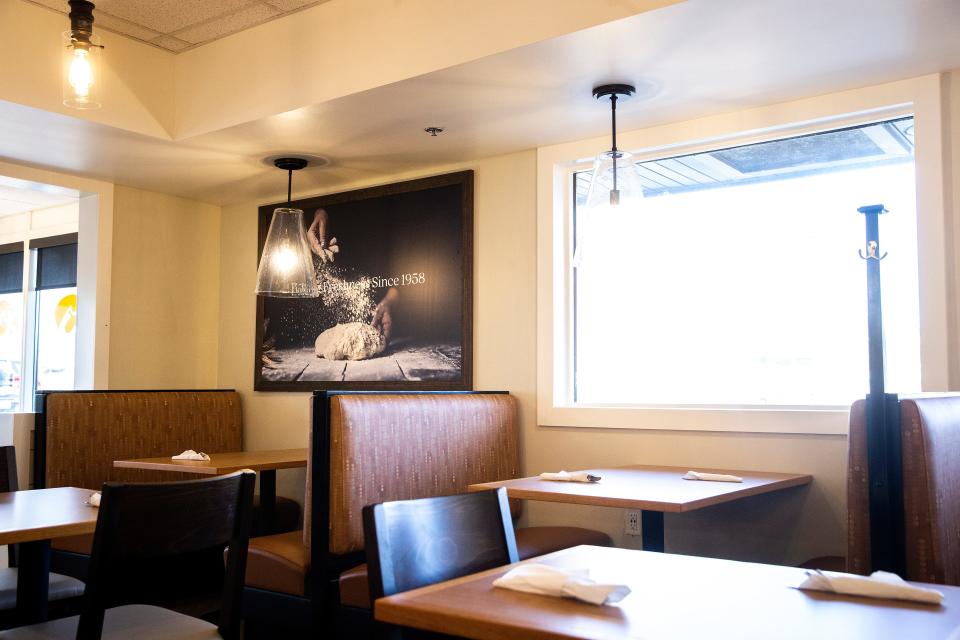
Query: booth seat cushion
826, 563
61, 587
531, 542
278, 563
355, 588
123, 623
537, 541
287, 518
74, 544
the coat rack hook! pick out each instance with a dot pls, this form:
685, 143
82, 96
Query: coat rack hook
871, 252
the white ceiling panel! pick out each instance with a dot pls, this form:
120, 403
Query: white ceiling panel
237, 21
177, 25
168, 16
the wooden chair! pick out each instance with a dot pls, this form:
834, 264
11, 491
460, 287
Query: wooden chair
415, 543
146, 524
63, 590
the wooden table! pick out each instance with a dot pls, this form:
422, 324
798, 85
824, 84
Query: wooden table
265, 463
673, 597
31, 519
653, 490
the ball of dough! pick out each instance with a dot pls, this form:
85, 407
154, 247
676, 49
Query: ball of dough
350, 341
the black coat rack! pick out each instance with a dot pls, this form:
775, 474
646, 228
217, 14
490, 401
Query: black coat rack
884, 452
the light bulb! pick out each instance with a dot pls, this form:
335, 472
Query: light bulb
284, 260
81, 81
81, 73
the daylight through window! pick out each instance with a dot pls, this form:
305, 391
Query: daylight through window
737, 280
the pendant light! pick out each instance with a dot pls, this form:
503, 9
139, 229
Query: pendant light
81, 59
615, 181
286, 264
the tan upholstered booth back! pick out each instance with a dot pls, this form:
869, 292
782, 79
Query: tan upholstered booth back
930, 429
399, 447
87, 431
858, 497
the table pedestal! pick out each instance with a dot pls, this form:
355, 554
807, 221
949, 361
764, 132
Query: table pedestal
33, 580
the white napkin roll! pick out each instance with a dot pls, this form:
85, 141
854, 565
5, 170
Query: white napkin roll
561, 583
879, 584
713, 477
190, 454
94, 499
565, 476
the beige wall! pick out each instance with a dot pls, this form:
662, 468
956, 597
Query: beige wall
164, 285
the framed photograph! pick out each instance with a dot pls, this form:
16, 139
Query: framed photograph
394, 267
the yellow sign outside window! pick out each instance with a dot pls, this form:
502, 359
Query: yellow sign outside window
66, 313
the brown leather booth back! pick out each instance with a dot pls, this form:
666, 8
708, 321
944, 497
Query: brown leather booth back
931, 492
86, 431
858, 492
403, 446
930, 430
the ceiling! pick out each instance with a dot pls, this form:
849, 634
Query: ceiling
176, 25
693, 59
17, 196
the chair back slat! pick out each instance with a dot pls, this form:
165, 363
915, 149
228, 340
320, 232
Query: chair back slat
171, 518
414, 543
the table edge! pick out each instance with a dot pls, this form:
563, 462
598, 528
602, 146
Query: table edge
777, 484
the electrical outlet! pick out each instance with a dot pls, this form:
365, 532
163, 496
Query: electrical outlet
631, 525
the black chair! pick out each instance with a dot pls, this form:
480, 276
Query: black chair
414, 543
145, 525
64, 591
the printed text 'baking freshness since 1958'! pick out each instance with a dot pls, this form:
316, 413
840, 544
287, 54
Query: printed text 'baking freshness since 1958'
376, 282
401, 280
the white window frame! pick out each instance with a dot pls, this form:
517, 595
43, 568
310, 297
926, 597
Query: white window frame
34, 224
555, 167
94, 268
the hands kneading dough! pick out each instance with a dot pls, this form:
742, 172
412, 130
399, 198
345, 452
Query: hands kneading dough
317, 237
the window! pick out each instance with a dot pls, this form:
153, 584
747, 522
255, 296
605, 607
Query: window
11, 325
738, 280
56, 313
37, 330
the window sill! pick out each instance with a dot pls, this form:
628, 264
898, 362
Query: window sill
783, 420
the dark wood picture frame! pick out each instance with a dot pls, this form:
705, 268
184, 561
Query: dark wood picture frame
461, 179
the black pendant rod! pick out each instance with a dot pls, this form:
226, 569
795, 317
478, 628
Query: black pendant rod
614, 91
613, 128
290, 165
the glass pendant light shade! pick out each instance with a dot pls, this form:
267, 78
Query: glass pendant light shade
605, 191
82, 82
81, 66
615, 185
286, 265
